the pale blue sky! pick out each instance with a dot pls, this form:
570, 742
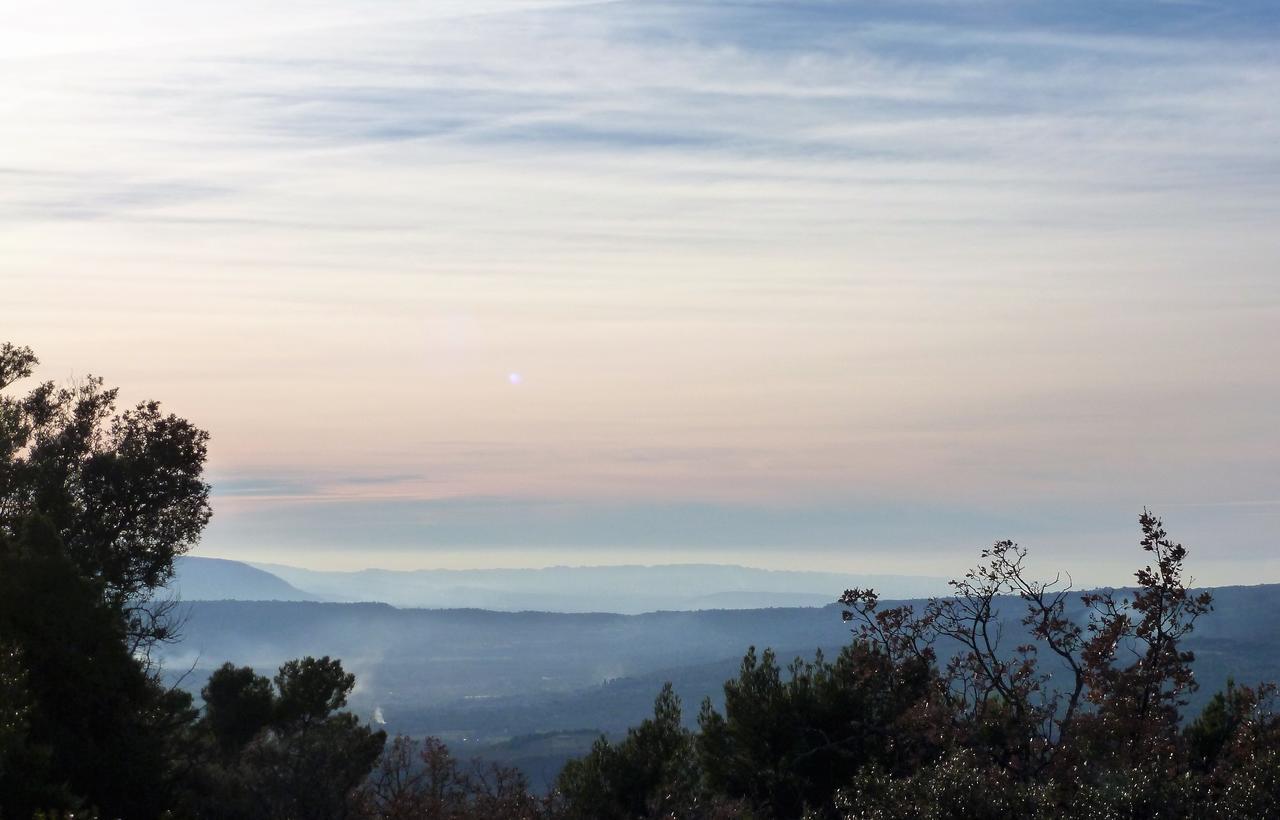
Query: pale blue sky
847, 285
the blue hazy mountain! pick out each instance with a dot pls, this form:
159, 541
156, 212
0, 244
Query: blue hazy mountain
216, 579
627, 589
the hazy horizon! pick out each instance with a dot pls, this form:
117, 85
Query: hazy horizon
842, 287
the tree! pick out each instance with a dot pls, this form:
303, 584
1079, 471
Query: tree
999, 694
1011, 697
15, 705
282, 748
785, 744
238, 705
414, 781
421, 780
98, 730
958, 786
123, 490
94, 506
312, 773
309, 690
1138, 704
651, 773
25, 779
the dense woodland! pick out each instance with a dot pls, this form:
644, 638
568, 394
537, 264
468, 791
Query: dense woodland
931, 711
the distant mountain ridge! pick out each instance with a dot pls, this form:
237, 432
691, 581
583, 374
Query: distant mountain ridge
626, 589
218, 579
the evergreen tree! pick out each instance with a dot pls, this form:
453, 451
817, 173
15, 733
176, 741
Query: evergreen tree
284, 749
652, 772
99, 731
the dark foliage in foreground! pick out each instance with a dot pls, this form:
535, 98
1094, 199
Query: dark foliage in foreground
929, 713
1080, 717
94, 507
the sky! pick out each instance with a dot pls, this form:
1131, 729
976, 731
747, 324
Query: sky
859, 286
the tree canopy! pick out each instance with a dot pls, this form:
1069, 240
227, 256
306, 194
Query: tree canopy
124, 491
95, 505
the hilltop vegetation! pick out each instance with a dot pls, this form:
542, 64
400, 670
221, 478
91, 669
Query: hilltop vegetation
1007, 698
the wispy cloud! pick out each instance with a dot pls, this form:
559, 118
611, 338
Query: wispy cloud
966, 255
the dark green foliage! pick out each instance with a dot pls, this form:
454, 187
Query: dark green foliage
15, 703
238, 705
652, 772
1207, 737
311, 772
786, 743
1234, 747
960, 786
1251, 787
21, 764
98, 730
283, 752
309, 690
94, 506
123, 491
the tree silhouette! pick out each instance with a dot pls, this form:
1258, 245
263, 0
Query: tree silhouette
94, 506
652, 772
1011, 697
283, 749
123, 490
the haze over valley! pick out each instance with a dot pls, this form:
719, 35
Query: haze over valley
534, 688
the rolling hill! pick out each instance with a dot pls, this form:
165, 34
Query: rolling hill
217, 579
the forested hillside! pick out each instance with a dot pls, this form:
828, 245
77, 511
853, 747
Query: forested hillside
488, 676
1009, 697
